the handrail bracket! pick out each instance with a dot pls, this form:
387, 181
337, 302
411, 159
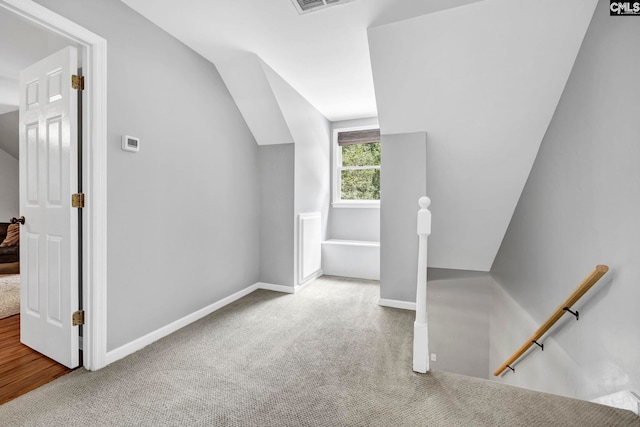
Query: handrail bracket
575, 313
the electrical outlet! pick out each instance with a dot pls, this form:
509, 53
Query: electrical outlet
433, 357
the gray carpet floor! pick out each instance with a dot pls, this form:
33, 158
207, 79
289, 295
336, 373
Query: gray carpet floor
327, 356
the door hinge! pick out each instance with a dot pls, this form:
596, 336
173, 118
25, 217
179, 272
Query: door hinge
77, 200
77, 82
77, 318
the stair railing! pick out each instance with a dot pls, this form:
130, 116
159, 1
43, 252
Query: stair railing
565, 307
420, 328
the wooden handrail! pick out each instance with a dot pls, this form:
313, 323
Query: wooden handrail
582, 289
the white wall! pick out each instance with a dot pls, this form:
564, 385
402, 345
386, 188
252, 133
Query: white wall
9, 187
353, 223
294, 178
403, 178
459, 307
483, 80
9, 138
183, 213
276, 214
579, 209
311, 133
9, 170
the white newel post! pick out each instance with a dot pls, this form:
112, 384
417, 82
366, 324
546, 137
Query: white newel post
420, 330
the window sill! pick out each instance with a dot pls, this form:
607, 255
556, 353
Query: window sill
358, 204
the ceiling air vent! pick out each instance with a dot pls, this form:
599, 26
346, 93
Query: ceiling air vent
306, 6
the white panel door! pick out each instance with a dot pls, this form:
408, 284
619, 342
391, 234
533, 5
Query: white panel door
49, 237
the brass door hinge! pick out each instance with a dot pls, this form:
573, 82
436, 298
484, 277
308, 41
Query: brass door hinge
77, 200
77, 318
77, 82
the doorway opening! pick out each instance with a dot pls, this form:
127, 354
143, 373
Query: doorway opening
23, 368
92, 54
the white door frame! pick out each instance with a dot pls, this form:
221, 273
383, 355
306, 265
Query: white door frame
94, 62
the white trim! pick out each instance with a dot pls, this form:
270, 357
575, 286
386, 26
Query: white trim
289, 289
276, 288
94, 62
96, 217
394, 303
356, 204
302, 252
357, 168
307, 282
420, 347
360, 243
138, 344
162, 332
420, 328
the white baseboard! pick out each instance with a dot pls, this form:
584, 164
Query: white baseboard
307, 282
276, 288
289, 289
154, 336
394, 303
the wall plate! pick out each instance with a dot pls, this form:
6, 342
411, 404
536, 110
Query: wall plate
130, 143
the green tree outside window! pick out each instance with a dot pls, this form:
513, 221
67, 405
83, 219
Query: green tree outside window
360, 172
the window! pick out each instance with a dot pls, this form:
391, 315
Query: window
357, 168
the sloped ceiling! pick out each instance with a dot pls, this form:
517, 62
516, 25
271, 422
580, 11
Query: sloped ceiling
323, 55
248, 84
481, 78
483, 81
274, 111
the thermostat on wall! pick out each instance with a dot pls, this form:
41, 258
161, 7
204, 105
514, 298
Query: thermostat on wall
130, 143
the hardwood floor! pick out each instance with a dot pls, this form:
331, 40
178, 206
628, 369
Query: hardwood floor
22, 369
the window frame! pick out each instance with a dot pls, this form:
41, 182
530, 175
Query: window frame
337, 168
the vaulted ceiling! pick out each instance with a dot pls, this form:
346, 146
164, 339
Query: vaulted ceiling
481, 78
324, 55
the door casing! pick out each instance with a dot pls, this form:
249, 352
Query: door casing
93, 51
